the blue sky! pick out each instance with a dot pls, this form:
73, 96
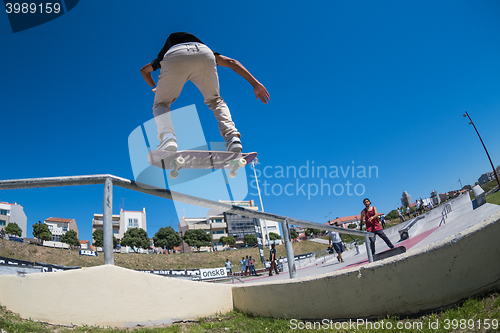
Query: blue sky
379, 84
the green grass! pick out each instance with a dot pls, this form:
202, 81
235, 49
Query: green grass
468, 314
494, 198
31, 252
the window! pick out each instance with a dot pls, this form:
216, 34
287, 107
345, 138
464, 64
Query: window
220, 231
65, 229
115, 231
3, 212
50, 226
134, 223
218, 221
56, 238
3, 223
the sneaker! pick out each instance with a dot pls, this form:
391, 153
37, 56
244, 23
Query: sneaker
169, 143
234, 145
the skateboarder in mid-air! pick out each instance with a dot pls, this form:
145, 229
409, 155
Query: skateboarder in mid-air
369, 214
186, 58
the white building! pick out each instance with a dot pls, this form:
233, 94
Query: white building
58, 227
13, 213
221, 224
127, 219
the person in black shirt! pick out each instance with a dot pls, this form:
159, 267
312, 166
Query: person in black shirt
184, 58
272, 259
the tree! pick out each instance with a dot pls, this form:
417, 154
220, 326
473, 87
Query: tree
167, 238
250, 239
71, 238
41, 231
229, 240
293, 234
98, 236
311, 231
136, 238
274, 236
13, 229
197, 238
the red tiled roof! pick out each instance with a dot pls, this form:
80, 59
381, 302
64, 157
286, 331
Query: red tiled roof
59, 219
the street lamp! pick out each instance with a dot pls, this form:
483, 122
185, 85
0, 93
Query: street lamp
494, 170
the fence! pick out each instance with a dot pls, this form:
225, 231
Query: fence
110, 180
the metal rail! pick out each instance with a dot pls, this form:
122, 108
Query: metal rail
110, 180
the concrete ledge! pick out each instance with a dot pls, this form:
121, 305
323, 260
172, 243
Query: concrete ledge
435, 276
111, 296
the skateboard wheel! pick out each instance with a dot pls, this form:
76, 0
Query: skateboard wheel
242, 162
174, 174
232, 173
179, 161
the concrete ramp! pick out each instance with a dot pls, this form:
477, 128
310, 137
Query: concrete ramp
437, 275
111, 296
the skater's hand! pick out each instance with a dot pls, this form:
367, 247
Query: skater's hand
261, 92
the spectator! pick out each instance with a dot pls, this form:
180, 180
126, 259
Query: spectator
243, 266
228, 267
247, 265
251, 262
272, 259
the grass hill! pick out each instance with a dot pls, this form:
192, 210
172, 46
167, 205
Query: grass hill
66, 257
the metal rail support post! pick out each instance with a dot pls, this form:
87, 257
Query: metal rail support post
289, 250
107, 225
368, 250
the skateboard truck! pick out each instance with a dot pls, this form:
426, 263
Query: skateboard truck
178, 164
236, 164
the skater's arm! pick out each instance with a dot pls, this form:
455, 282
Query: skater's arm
146, 74
374, 214
258, 88
362, 218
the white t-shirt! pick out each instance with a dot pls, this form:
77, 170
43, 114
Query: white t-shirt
334, 236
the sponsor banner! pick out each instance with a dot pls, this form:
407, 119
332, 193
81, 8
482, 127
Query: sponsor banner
212, 273
44, 267
88, 253
173, 272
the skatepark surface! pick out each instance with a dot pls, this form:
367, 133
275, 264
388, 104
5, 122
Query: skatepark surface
451, 255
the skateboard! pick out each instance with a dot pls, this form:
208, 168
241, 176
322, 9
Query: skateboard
389, 253
199, 159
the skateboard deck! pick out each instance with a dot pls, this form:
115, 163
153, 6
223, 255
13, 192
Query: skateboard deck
199, 159
389, 253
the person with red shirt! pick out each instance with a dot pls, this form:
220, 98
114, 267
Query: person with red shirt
370, 216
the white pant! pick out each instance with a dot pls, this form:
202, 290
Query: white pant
193, 62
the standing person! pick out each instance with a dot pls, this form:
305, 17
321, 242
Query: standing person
382, 221
369, 214
399, 214
247, 266
408, 212
228, 267
184, 58
251, 262
243, 266
272, 259
335, 241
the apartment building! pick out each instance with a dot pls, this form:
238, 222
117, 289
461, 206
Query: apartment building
127, 219
222, 224
13, 213
59, 226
